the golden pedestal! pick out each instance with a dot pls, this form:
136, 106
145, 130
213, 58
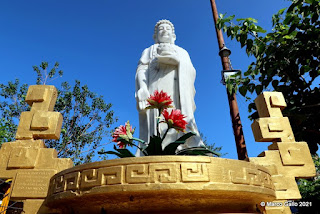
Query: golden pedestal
153, 184
161, 184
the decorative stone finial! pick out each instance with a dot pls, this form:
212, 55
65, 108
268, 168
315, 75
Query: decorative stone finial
40, 122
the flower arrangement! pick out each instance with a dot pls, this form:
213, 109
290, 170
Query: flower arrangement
123, 135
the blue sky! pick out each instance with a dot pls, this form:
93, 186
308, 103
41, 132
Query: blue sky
100, 42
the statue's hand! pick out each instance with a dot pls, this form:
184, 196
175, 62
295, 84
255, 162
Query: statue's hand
142, 105
143, 95
168, 59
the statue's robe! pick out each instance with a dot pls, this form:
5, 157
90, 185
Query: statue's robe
178, 82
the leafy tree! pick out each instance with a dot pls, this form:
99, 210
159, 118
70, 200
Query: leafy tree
212, 146
286, 59
310, 190
12, 103
86, 116
3, 131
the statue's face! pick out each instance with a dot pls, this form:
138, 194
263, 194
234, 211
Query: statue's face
165, 34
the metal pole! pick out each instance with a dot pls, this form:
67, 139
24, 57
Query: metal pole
234, 110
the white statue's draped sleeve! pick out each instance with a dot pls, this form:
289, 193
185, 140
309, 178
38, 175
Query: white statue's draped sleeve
141, 94
187, 76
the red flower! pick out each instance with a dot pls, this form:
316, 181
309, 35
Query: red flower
125, 132
175, 119
159, 100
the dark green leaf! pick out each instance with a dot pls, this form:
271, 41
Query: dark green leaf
258, 89
172, 147
125, 153
275, 83
198, 151
155, 146
243, 90
292, 28
185, 136
112, 153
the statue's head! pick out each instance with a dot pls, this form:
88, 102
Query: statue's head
164, 32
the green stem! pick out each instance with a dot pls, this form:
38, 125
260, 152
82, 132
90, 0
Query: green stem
139, 147
165, 134
158, 121
141, 141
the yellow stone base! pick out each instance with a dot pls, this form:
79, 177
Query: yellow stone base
161, 184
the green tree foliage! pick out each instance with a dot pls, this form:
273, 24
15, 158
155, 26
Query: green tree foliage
286, 59
3, 131
86, 116
310, 190
212, 146
12, 103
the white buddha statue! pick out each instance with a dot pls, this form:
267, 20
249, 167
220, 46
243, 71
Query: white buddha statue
165, 66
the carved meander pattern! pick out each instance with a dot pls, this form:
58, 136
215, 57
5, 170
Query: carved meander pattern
157, 173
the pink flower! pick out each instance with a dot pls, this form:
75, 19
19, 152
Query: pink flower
159, 100
125, 132
175, 119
